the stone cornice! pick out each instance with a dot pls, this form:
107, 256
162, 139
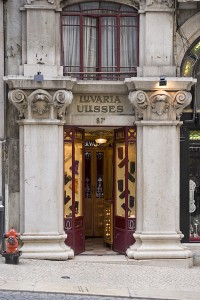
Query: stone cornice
152, 83
159, 105
41, 104
50, 83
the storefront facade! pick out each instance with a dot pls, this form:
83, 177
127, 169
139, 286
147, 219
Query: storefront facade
79, 71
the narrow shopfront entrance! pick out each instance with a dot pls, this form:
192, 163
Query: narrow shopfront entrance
99, 186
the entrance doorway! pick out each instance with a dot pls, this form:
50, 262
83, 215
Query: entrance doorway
100, 186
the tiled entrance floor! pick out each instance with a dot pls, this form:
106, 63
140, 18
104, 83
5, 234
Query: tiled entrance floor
96, 246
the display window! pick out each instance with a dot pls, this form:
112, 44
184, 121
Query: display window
194, 186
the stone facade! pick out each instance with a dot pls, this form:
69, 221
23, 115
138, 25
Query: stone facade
39, 109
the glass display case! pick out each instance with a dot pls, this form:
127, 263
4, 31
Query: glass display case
73, 188
194, 186
125, 188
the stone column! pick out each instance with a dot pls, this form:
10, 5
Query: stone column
41, 172
158, 180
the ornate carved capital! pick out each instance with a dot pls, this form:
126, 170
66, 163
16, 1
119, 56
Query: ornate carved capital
41, 104
159, 105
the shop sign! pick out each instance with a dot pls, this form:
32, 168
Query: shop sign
102, 104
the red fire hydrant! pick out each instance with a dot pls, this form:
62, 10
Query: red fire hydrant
11, 252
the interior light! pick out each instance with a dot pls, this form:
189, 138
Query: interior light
101, 141
162, 81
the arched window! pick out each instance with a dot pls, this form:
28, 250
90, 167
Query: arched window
100, 41
191, 67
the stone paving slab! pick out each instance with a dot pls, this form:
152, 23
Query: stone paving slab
95, 278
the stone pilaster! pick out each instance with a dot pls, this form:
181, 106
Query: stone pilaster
41, 172
156, 16
158, 176
41, 38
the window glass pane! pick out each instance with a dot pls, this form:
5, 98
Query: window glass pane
124, 8
99, 174
72, 8
89, 6
128, 44
78, 179
132, 180
71, 43
196, 49
67, 180
108, 44
90, 53
109, 6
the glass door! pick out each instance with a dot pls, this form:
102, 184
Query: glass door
94, 192
73, 188
125, 188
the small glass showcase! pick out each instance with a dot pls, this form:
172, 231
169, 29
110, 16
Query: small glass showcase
125, 188
73, 188
194, 186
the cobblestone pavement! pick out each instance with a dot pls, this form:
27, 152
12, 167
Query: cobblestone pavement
104, 279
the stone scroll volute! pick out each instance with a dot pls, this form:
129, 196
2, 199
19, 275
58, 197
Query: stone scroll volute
181, 100
140, 101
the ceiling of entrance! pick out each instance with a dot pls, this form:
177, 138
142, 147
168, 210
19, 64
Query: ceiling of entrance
91, 133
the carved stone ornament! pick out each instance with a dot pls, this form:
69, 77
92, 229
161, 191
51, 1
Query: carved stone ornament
160, 104
168, 3
139, 100
31, 1
61, 100
40, 103
19, 99
181, 100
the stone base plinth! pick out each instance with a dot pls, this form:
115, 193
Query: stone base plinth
45, 247
161, 247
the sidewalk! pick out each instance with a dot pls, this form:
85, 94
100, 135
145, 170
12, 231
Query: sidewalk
101, 275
